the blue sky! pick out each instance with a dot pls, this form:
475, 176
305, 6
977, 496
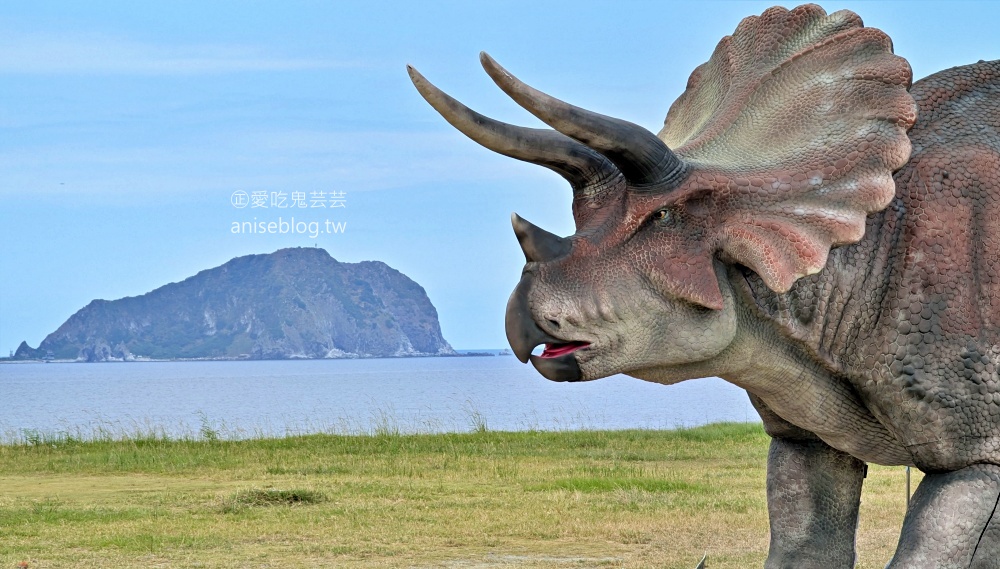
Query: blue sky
125, 128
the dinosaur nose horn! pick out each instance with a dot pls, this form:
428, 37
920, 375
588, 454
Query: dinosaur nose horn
538, 245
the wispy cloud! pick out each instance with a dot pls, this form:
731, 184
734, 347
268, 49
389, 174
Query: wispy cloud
93, 54
273, 159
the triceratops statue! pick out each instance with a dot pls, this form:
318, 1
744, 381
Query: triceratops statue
810, 227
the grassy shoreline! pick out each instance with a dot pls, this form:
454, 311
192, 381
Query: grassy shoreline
482, 499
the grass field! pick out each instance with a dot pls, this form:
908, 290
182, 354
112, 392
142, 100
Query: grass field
474, 500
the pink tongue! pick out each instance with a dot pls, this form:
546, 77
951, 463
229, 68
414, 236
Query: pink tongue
556, 350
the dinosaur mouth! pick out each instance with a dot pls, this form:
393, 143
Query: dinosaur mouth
559, 349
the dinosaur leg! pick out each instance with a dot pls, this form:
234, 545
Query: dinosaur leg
813, 495
988, 552
953, 522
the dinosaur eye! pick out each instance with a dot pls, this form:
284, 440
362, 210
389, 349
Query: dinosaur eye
661, 215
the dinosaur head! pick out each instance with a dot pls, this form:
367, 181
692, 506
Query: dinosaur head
778, 149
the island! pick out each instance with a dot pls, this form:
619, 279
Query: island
293, 303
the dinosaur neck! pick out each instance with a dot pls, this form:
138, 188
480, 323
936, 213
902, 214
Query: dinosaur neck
828, 314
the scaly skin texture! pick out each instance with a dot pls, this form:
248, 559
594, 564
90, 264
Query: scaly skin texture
908, 319
909, 315
821, 234
814, 493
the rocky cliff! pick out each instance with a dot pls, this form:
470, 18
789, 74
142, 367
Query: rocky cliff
294, 303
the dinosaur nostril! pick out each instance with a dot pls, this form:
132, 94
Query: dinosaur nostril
553, 323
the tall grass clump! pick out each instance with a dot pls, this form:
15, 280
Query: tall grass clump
207, 430
477, 420
242, 500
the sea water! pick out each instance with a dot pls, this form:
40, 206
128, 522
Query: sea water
236, 399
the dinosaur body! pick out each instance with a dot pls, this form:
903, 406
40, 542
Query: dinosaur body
809, 226
909, 317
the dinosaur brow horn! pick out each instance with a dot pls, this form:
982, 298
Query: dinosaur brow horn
582, 167
639, 154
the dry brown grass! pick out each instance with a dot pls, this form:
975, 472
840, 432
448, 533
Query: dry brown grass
632, 499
